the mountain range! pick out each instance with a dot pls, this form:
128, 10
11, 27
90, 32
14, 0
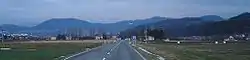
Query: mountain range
75, 26
197, 26
236, 25
56, 26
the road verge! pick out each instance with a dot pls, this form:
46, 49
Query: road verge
77, 54
149, 54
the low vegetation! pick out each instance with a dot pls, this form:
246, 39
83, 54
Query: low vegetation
173, 51
146, 55
42, 51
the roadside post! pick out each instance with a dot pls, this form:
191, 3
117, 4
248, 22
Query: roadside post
2, 38
3, 47
216, 42
224, 42
178, 42
134, 40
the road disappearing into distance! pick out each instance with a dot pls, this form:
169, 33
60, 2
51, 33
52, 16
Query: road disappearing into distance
120, 50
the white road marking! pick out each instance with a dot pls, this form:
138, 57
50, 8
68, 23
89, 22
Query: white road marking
158, 56
108, 53
90, 50
138, 53
115, 46
80, 53
103, 58
74, 55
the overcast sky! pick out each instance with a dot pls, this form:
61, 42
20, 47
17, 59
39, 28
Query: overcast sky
35, 11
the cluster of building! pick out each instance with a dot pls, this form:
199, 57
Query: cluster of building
97, 37
5, 35
234, 37
19, 37
10, 37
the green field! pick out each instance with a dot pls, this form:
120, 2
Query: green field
173, 51
42, 51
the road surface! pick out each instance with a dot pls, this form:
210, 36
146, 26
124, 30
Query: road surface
121, 50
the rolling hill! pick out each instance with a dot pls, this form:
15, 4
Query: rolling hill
197, 26
76, 26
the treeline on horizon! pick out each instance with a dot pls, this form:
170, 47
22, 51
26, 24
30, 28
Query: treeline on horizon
195, 27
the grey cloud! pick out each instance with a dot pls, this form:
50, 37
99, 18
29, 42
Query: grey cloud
116, 10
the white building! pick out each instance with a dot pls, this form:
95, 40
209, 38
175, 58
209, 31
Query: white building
150, 38
98, 37
52, 38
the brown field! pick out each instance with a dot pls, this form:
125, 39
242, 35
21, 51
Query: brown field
44, 50
200, 51
63, 41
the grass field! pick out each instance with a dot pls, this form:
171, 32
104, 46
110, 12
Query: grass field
42, 51
146, 55
173, 51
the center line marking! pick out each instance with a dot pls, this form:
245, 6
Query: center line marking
115, 46
103, 58
108, 53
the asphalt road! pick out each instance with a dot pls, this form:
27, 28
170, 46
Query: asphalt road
121, 50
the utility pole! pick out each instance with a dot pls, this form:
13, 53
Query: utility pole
2, 39
145, 32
